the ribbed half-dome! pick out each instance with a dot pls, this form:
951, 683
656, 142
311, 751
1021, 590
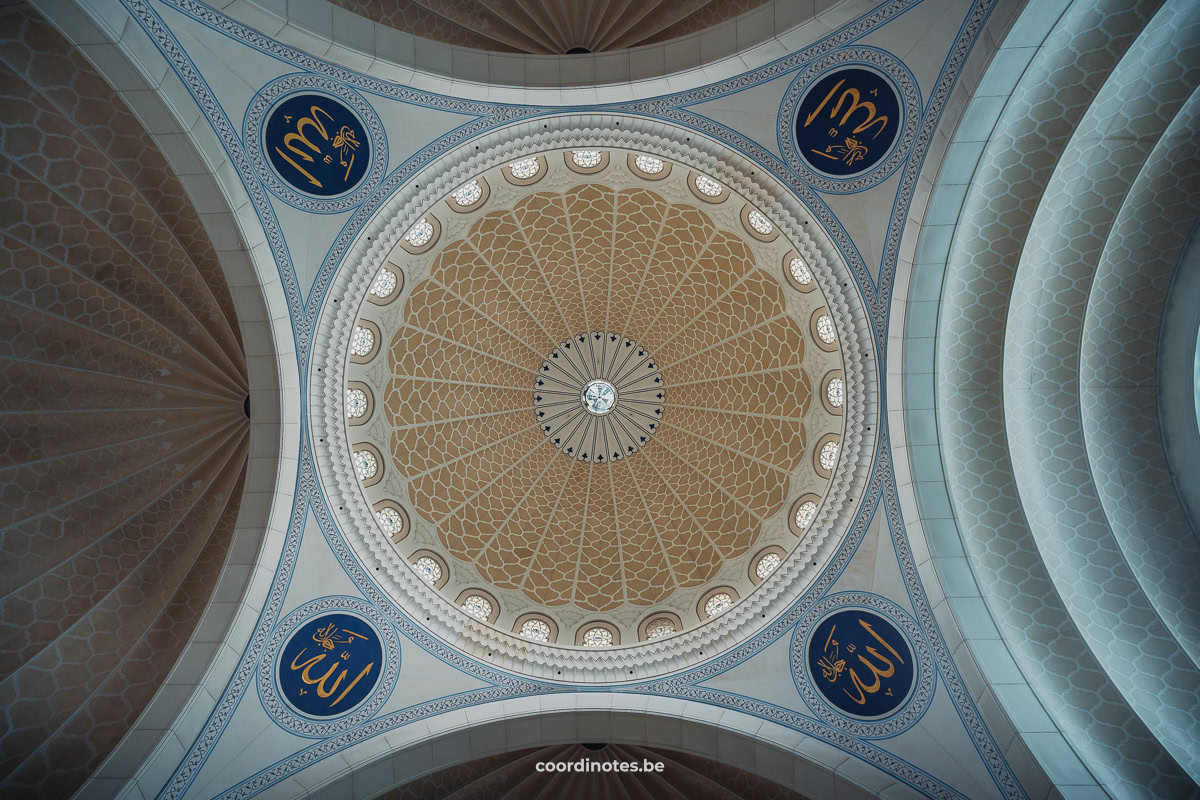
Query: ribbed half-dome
123, 436
513, 776
550, 26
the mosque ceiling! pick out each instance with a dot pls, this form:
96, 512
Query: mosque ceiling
640, 414
550, 26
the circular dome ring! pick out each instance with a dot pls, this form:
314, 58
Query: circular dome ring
522, 140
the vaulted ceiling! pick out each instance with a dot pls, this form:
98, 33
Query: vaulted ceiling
550, 26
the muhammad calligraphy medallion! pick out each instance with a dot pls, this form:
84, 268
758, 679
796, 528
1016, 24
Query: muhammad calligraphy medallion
317, 145
847, 121
330, 664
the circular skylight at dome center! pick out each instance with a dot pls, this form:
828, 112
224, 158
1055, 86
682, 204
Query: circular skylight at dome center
581, 410
591, 402
599, 397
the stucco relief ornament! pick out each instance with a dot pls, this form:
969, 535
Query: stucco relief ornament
315, 144
328, 666
862, 664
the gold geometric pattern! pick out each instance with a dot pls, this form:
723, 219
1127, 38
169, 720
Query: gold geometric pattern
459, 402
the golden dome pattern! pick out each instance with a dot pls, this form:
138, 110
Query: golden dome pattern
459, 399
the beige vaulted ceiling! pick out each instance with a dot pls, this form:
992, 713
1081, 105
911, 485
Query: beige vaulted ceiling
550, 26
482, 450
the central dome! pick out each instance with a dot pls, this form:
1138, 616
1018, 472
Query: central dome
596, 399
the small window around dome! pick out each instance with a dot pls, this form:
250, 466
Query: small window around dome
659, 628
757, 225
392, 520
364, 341
798, 272
586, 162
597, 637
649, 164
368, 464
365, 464
422, 235
429, 570
385, 284
803, 513
479, 604
525, 171
825, 454
359, 403
823, 330
707, 189
356, 403
716, 602
833, 392
829, 454
430, 567
470, 196
536, 628
585, 158
765, 562
597, 634
648, 167
658, 625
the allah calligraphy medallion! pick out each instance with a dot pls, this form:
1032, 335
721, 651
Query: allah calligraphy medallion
847, 121
861, 663
315, 143
330, 664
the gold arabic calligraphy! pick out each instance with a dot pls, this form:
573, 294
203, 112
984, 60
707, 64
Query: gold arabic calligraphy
344, 142
329, 637
851, 150
832, 665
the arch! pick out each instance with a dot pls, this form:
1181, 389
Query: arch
122, 53
778, 754
746, 42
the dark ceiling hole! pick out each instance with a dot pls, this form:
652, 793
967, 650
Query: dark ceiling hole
578, 51
595, 745
246, 406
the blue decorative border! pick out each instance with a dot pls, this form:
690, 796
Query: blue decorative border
909, 97
309, 497
278, 707
252, 126
919, 697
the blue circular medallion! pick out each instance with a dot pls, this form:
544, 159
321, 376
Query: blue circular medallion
317, 145
330, 664
847, 121
861, 663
